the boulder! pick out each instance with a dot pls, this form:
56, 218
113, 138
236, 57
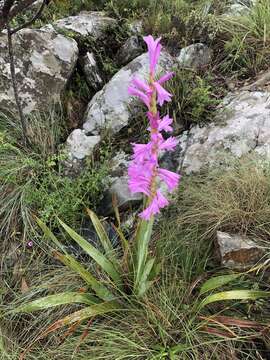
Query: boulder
79, 145
195, 56
44, 62
238, 251
113, 107
91, 71
87, 24
132, 48
119, 186
242, 125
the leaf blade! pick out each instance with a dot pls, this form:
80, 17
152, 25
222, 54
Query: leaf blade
56, 300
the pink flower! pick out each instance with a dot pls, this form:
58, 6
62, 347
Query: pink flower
154, 48
159, 202
170, 178
163, 95
141, 151
135, 92
169, 144
165, 78
165, 124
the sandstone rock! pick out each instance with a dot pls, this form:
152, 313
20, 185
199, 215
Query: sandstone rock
113, 107
195, 56
238, 251
44, 61
130, 50
91, 71
86, 24
241, 126
79, 145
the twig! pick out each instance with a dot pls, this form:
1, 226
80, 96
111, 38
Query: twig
14, 84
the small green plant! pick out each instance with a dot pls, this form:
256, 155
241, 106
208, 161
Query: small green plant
195, 98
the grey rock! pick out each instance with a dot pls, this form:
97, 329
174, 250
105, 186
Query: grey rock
113, 107
240, 7
195, 56
79, 145
242, 125
238, 251
130, 50
86, 24
124, 199
44, 61
91, 71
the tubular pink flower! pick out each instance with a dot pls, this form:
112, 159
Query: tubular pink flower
165, 78
159, 202
141, 85
165, 123
163, 95
169, 144
141, 151
154, 49
135, 92
170, 178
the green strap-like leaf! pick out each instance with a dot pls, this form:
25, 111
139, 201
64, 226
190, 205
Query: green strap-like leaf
50, 235
144, 284
100, 259
101, 290
217, 282
142, 239
234, 295
56, 300
83, 314
102, 234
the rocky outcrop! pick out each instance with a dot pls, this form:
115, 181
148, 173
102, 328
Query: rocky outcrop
44, 61
241, 126
79, 146
238, 251
87, 24
113, 107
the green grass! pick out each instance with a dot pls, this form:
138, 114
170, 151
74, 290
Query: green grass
236, 200
164, 325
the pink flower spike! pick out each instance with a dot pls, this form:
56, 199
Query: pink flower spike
154, 49
165, 78
163, 95
170, 178
135, 92
169, 144
165, 124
